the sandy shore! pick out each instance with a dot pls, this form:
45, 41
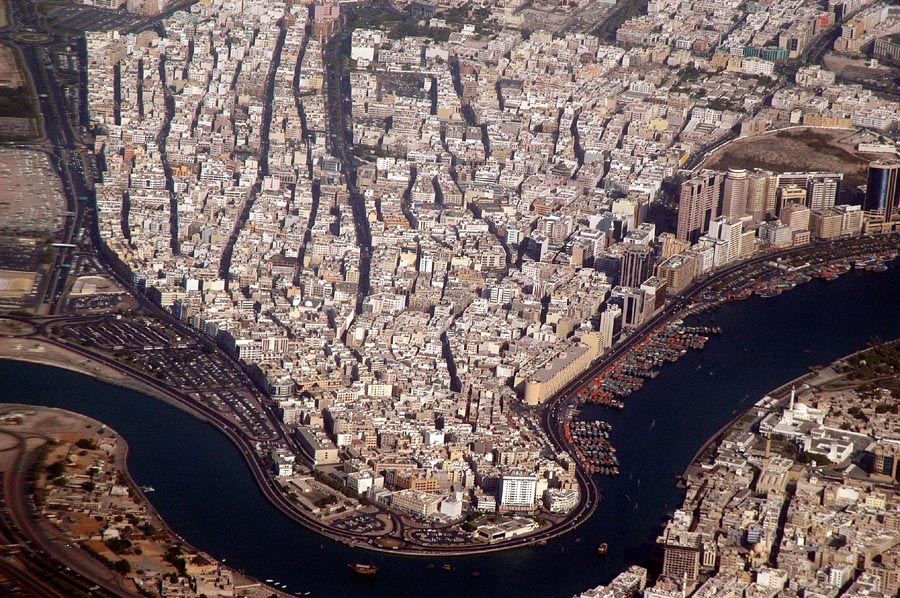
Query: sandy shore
54, 422
43, 353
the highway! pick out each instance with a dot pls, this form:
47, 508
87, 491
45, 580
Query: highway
60, 140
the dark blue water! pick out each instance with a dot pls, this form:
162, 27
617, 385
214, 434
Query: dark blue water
206, 493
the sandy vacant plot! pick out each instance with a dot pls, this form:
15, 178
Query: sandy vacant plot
16, 284
10, 75
796, 150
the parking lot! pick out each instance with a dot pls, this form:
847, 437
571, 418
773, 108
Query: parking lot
182, 364
442, 537
112, 334
360, 524
73, 17
107, 301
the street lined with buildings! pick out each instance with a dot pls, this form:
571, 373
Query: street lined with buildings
421, 247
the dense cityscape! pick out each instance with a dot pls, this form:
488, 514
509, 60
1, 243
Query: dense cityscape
396, 252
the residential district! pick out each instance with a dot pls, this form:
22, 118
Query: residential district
799, 498
407, 239
411, 231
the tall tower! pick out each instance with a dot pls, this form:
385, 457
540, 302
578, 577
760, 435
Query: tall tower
883, 189
821, 193
637, 265
698, 205
734, 194
729, 230
610, 324
761, 193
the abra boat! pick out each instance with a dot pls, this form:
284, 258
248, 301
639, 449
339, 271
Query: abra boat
363, 569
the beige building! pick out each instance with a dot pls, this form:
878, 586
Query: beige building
825, 224
678, 272
681, 558
416, 502
317, 448
795, 215
672, 245
558, 372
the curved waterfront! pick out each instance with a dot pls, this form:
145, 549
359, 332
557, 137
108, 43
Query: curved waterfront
205, 491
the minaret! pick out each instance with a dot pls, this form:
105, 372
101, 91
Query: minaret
793, 395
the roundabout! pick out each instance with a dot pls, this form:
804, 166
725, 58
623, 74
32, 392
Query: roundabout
30, 37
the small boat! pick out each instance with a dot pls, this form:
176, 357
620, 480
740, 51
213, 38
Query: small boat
601, 550
146, 489
363, 569
447, 567
476, 573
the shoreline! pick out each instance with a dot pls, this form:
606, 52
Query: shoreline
46, 352
52, 355
77, 363
121, 466
100, 371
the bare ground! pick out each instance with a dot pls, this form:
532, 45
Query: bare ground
796, 150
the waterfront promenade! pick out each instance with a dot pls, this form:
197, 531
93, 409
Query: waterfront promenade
272, 546
56, 350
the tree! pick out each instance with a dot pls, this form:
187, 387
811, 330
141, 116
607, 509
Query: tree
86, 443
56, 469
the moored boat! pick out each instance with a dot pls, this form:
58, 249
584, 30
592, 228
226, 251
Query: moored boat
364, 569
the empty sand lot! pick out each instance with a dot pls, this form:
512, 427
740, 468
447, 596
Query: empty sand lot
797, 150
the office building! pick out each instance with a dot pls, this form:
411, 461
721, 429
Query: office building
557, 372
762, 189
681, 557
672, 245
637, 265
678, 272
517, 492
698, 205
821, 193
631, 301
795, 215
610, 325
883, 190
728, 230
734, 193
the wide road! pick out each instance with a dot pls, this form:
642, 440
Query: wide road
60, 140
